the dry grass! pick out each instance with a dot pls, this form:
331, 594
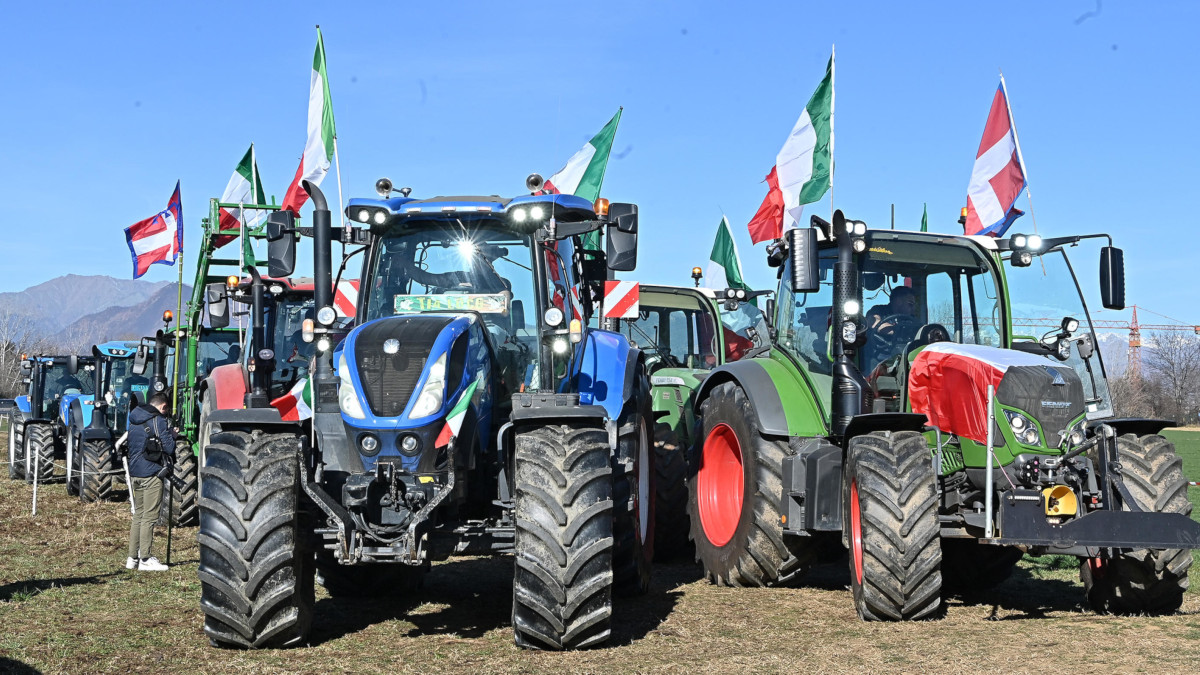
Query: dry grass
68, 605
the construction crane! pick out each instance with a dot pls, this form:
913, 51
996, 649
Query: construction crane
1135, 331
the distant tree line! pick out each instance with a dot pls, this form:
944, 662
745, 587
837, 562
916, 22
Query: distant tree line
1168, 386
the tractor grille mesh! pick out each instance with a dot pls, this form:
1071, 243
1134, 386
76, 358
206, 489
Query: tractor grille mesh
388, 380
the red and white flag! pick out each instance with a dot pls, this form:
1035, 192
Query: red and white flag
621, 299
318, 150
999, 173
158, 239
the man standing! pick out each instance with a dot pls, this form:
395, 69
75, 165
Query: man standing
151, 450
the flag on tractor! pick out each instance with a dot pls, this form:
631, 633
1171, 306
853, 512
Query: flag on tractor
318, 150
999, 173
158, 239
724, 266
583, 176
245, 187
925, 219
296, 405
454, 420
803, 168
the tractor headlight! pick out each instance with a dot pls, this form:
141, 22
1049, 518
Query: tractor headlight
326, 315
859, 245
430, 399
849, 332
408, 444
1077, 433
1023, 428
362, 216
1034, 241
380, 217
519, 215
347, 398
369, 444
537, 213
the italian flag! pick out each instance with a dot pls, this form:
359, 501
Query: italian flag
724, 267
296, 405
245, 187
454, 420
583, 175
318, 150
803, 168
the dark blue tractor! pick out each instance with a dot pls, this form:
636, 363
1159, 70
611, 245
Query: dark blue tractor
39, 420
96, 420
470, 411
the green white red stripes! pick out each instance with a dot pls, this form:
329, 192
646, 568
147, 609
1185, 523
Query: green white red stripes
245, 187
318, 150
454, 420
724, 267
803, 170
296, 405
583, 176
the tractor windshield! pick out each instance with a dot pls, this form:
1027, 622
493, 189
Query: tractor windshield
120, 378
216, 348
1044, 294
916, 290
675, 330
444, 266
292, 353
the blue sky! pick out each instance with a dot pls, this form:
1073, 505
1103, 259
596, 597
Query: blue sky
106, 106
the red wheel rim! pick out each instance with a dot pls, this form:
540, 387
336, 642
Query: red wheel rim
719, 485
856, 551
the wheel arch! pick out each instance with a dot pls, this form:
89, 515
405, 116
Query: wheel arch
760, 389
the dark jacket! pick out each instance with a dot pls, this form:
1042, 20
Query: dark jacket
147, 416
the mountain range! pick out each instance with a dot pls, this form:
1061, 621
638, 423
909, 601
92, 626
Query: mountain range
75, 312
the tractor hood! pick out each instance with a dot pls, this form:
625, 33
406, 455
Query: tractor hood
948, 383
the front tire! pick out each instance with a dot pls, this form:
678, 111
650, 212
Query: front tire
39, 448
671, 523
96, 461
256, 572
16, 448
734, 490
890, 506
1147, 581
563, 503
181, 507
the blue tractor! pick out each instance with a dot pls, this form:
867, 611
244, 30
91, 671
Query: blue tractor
470, 411
40, 417
96, 420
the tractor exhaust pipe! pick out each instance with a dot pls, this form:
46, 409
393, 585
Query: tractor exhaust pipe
322, 276
849, 386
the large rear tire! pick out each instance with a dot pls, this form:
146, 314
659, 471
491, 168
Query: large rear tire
368, 580
734, 491
633, 499
1147, 581
670, 495
969, 566
256, 571
890, 506
39, 448
96, 466
563, 503
181, 508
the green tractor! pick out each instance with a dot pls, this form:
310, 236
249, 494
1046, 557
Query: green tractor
928, 439
685, 333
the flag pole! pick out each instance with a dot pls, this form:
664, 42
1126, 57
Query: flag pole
337, 165
1012, 123
178, 318
832, 104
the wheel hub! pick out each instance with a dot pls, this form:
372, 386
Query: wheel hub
720, 484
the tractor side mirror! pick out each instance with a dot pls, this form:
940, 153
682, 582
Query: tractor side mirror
622, 237
139, 360
518, 315
218, 305
72, 364
802, 247
1112, 277
281, 243
770, 314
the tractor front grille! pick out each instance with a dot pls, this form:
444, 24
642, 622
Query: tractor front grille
388, 380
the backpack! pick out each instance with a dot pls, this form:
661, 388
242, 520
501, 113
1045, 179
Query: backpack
153, 446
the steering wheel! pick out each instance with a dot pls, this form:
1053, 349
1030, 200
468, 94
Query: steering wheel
891, 330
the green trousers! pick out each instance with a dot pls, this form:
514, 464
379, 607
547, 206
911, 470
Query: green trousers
147, 498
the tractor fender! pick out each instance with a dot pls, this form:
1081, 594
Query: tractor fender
22, 404
888, 421
228, 384
752, 377
1133, 425
606, 371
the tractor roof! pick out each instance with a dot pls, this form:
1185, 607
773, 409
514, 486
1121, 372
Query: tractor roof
564, 207
120, 348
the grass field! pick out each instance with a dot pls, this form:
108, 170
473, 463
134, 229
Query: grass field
68, 605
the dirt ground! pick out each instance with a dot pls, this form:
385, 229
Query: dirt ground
67, 605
